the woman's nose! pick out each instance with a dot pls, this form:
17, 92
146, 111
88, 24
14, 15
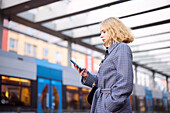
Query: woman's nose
101, 36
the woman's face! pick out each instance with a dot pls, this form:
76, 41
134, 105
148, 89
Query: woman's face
104, 33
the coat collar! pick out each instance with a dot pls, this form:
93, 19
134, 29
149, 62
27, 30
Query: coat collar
110, 49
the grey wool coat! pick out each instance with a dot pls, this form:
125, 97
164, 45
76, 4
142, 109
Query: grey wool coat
114, 81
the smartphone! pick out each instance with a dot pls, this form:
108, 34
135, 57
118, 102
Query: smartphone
81, 69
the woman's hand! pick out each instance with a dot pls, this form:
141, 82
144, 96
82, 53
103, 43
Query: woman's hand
83, 73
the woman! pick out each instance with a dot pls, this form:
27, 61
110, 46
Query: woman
115, 76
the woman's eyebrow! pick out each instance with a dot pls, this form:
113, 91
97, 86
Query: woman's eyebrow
102, 30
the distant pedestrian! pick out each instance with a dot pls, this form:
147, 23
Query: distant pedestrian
4, 99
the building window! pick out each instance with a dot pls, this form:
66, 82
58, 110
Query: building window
45, 52
58, 57
34, 51
13, 44
30, 50
15, 91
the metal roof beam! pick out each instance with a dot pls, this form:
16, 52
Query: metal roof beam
152, 53
11, 3
161, 68
153, 60
70, 9
151, 24
156, 34
23, 5
151, 49
148, 43
157, 65
149, 58
156, 62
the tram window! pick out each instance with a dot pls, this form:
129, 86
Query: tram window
15, 81
169, 103
141, 105
158, 105
84, 93
25, 96
10, 80
15, 91
72, 97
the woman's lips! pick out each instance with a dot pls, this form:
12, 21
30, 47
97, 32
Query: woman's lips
103, 40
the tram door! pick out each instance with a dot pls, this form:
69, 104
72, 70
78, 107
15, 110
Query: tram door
56, 97
49, 96
149, 104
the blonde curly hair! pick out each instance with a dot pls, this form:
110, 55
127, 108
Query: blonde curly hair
117, 31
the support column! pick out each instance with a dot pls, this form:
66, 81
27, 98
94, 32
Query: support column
153, 78
167, 83
136, 76
69, 53
1, 29
133, 96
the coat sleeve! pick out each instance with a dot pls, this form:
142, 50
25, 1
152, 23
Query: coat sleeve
89, 80
124, 85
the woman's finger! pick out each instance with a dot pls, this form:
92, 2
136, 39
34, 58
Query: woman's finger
82, 72
85, 72
79, 70
75, 67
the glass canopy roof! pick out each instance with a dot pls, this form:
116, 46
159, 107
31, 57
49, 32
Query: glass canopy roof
79, 21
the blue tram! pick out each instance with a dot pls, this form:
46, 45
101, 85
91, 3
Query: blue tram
49, 78
26, 81
148, 100
32, 85
165, 101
